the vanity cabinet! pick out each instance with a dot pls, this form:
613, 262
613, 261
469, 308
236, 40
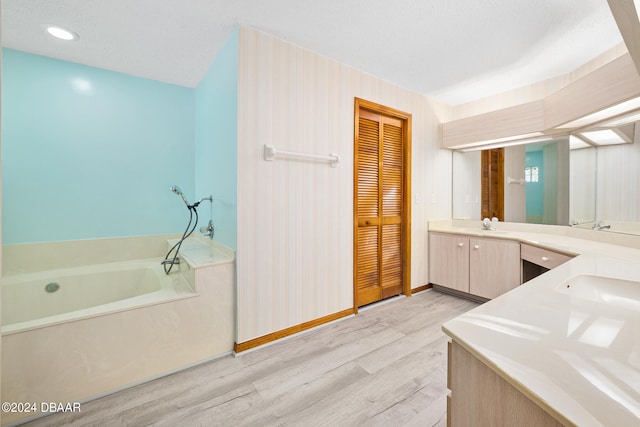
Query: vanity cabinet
543, 257
449, 261
482, 267
536, 261
494, 267
481, 397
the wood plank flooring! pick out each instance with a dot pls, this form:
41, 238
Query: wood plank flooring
384, 367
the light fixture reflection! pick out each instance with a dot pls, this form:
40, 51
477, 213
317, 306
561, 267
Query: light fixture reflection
604, 137
504, 330
61, 32
602, 332
509, 141
601, 382
576, 319
82, 86
603, 114
575, 143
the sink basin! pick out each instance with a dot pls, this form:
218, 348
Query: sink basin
616, 292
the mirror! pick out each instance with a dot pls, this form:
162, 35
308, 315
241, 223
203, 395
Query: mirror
603, 185
546, 181
536, 183
582, 201
617, 182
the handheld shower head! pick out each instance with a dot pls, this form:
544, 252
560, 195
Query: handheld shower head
176, 189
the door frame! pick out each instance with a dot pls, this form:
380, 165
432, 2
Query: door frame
406, 194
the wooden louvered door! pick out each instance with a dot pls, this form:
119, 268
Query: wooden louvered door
380, 206
492, 183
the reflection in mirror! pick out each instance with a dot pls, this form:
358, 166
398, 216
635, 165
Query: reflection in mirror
466, 185
546, 175
582, 166
618, 180
544, 200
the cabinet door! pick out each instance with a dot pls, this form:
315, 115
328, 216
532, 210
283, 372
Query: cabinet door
449, 261
494, 267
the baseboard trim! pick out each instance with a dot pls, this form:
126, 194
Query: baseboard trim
266, 339
421, 288
460, 294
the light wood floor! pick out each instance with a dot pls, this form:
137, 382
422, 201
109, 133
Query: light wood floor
384, 367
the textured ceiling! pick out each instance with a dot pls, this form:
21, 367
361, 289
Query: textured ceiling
452, 50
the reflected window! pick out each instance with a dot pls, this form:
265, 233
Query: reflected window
531, 174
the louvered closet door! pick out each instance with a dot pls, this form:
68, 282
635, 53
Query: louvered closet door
492, 183
379, 204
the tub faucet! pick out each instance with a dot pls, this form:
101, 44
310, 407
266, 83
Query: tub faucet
599, 226
208, 230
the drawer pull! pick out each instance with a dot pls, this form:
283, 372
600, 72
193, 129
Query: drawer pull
460, 245
545, 258
476, 246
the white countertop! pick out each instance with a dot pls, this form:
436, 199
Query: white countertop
201, 253
574, 352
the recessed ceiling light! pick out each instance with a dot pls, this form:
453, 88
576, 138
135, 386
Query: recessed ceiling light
61, 32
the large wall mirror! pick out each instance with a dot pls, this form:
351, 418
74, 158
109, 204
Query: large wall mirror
536, 183
560, 183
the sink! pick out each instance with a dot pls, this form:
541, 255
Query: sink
608, 290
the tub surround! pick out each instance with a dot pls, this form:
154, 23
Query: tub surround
567, 340
85, 292
95, 356
31, 257
200, 252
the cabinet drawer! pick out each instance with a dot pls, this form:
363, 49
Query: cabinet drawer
543, 257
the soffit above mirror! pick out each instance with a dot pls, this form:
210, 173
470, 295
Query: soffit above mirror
604, 100
610, 93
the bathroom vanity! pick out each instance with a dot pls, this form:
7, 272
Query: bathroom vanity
536, 260
561, 349
483, 265
476, 266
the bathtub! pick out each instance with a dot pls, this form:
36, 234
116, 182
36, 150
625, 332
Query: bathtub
109, 325
33, 300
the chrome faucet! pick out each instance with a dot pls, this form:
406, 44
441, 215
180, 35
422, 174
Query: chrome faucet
599, 226
208, 230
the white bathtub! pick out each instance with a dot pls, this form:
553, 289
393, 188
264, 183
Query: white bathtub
112, 323
86, 291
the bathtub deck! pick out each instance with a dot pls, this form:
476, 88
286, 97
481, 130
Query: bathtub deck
385, 366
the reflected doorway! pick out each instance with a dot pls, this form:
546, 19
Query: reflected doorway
492, 184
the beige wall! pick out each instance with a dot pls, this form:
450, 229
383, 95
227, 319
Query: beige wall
515, 200
618, 182
295, 218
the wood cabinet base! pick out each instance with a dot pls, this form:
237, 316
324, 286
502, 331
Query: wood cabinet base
480, 397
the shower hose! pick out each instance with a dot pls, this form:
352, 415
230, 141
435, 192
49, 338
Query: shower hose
170, 261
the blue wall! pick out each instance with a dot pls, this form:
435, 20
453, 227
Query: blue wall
89, 153
535, 190
216, 141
